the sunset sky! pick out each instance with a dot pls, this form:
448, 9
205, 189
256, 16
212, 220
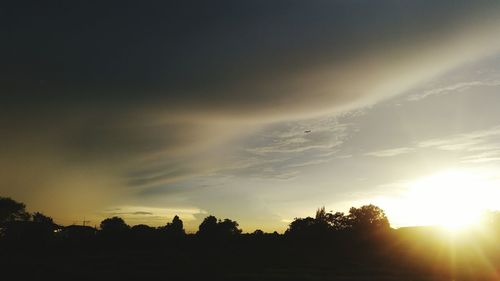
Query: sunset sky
259, 111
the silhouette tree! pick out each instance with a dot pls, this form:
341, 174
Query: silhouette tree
42, 219
367, 217
300, 225
11, 210
175, 228
114, 226
228, 227
308, 227
14, 221
143, 234
142, 229
211, 227
30, 233
78, 233
258, 233
321, 214
43, 227
338, 221
208, 226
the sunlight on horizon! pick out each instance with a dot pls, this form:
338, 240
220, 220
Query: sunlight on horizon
454, 199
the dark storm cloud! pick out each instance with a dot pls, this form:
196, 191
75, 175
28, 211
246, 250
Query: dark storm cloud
209, 55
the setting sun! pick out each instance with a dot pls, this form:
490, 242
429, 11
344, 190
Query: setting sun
453, 199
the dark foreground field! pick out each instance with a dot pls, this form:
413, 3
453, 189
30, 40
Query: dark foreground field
399, 255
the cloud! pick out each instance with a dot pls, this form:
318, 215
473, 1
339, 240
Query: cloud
141, 213
238, 59
390, 152
155, 215
280, 150
473, 141
94, 101
475, 147
479, 146
453, 88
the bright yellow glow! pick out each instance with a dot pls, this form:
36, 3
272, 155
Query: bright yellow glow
453, 199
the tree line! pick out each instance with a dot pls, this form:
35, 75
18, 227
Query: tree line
360, 242
18, 224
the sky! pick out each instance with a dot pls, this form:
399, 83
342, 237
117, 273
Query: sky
258, 111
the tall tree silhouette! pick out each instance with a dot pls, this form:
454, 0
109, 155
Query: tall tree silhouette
11, 210
321, 214
175, 228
